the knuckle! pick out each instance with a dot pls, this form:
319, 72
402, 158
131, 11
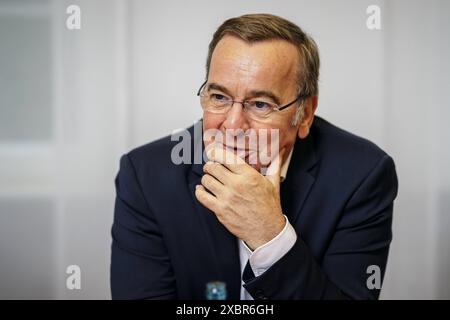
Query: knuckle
214, 166
238, 188
205, 179
199, 194
228, 196
223, 206
252, 180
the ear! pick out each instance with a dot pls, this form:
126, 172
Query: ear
308, 116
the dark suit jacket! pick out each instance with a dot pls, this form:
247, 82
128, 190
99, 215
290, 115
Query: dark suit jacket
338, 196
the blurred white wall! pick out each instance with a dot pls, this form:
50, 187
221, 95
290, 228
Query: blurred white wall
73, 101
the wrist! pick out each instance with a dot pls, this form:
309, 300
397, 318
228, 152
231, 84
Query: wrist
268, 234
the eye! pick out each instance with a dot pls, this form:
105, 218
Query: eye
218, 97
261, 105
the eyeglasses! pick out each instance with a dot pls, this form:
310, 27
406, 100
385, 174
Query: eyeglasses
217, 102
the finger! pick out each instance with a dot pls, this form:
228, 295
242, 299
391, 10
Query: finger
212, 184
218, 171
233, 162
274, 170
206, 198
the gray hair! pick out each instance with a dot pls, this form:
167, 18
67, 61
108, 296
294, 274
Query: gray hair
260, 27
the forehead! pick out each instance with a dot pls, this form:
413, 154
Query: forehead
264, 64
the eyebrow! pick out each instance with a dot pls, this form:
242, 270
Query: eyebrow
253, 93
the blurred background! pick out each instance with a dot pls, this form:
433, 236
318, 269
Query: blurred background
73, 101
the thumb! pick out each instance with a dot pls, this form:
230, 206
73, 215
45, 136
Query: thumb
274, 169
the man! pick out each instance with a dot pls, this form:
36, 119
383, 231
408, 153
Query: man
312, 223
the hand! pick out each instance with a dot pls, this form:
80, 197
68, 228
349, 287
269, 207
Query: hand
244, 201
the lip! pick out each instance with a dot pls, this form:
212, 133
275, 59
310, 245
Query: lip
239, 151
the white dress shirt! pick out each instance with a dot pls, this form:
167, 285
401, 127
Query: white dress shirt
263, 257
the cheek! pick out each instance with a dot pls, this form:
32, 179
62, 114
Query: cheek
288, 137
269, 134
212, 121
281, 138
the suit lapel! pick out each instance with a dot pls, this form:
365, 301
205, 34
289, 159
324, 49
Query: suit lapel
299, 180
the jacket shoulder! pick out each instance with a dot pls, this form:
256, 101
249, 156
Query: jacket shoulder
345, 152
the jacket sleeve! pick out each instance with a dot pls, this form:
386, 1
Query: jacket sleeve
361, 240
140, 264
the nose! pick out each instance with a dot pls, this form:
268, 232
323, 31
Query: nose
235, 118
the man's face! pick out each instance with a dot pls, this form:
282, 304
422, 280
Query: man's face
242, 69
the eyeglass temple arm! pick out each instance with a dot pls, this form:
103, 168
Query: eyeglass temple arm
299, 97
201, 87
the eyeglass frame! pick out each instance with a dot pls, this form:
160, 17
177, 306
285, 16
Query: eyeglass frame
299, 97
